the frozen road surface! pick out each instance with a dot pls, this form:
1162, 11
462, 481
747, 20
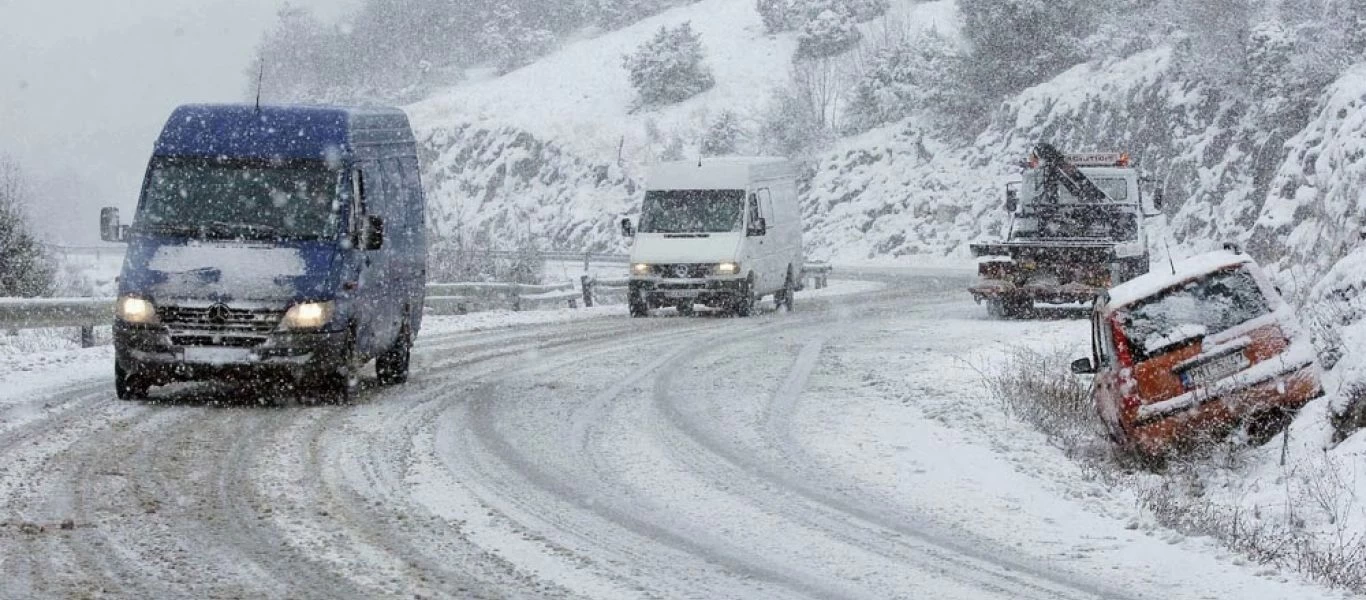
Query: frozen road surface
846, 450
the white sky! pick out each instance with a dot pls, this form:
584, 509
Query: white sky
85, 86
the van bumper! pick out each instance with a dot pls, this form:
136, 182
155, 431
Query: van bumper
1158, 435
149, 352
712, 291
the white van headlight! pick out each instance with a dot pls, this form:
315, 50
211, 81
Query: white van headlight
137, 311
640, 269
727, 268
308, 315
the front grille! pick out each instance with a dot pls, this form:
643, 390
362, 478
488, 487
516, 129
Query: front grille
685, 272
219, 341
220, 320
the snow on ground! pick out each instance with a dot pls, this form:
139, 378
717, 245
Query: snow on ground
916, 386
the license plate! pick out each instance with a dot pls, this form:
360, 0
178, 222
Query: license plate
1214, 370
680, 293
216, 356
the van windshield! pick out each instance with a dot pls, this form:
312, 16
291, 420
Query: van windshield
1207, 306
692, 211
230, 199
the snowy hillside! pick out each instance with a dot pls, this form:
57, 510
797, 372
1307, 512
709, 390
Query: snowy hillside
575, 105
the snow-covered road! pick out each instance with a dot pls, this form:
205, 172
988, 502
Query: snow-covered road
842, 451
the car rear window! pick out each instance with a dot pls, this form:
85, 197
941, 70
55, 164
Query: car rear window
1212, 304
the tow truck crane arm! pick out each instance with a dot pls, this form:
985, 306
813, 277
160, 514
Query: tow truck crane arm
1058, 170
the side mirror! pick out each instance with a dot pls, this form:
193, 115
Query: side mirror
374, 233
758, 228
110, 230
1083, 366
1159, 200
627, 229
1012, 201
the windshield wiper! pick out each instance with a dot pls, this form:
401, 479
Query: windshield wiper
166, 228
255, 231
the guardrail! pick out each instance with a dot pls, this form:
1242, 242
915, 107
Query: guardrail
818, 273
442, 299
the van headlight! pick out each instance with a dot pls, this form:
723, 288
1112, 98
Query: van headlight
308, 315
640, 269
727, 268
136, 311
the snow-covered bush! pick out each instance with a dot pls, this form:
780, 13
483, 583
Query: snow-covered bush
25, 269
723, 135
1039, 388
830, 32
670, 67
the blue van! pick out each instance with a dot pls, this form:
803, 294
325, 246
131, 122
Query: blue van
272, 242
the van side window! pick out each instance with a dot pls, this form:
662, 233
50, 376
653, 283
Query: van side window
754, 215
766, 206
360, 191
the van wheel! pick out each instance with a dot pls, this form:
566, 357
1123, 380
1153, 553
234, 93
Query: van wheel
639, 309
341, 383
129, 386
784, 298
392, 367
743, 304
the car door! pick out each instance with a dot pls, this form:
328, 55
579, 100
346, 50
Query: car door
1106, 388
755, 244
386, 261
775, 244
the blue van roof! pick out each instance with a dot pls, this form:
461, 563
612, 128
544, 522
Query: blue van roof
279, 132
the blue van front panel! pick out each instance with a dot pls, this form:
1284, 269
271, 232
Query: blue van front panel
171, 269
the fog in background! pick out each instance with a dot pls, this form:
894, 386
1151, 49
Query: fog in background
85, 86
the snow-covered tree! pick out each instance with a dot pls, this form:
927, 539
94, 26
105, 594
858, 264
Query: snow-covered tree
780, 15
25, 270
867, 10
1216, 37
1270, 52
723, 135
617, 13
829, 32
1018, 43
903, 78
670, 67
510, 42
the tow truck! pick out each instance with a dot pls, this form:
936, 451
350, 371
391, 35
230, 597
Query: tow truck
1077, 227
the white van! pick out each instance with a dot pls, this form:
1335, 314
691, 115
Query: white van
720, 232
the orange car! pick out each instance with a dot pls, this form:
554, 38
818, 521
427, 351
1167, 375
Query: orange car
1183, 357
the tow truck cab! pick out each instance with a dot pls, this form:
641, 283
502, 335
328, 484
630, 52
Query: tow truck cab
272, 241
1076, 228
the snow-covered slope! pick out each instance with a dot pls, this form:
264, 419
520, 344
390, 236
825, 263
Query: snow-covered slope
569, 117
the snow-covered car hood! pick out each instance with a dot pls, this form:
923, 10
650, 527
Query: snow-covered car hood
229, 271
658, 248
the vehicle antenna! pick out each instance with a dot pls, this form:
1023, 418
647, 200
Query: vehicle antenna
260, 77
1172, 261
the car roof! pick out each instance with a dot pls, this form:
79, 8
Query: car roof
278, 131
1163, 279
